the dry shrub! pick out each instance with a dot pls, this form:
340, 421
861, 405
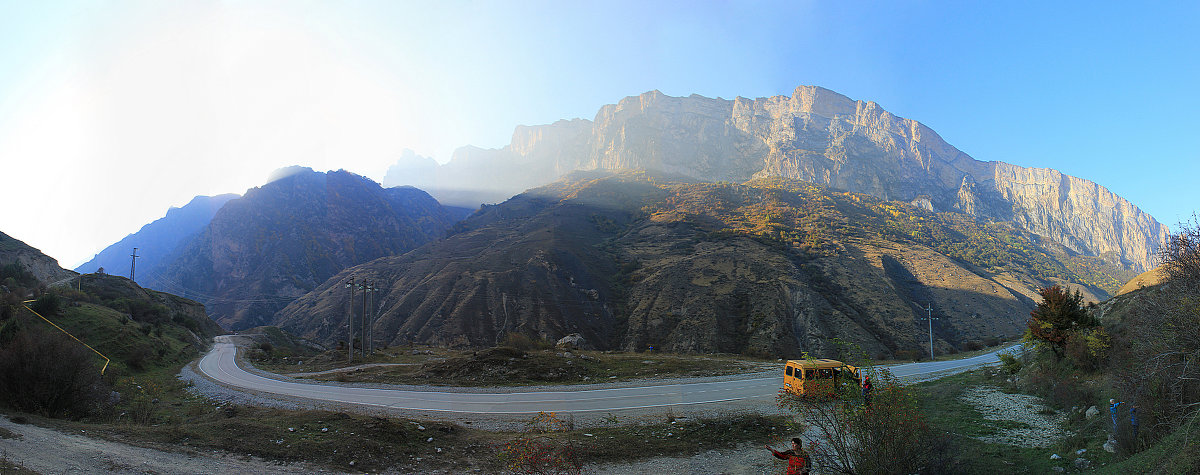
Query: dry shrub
889, 435
49, 374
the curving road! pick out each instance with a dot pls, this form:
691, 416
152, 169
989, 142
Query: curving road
220, 364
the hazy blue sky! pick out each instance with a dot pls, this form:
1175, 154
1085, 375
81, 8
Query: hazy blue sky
110, 112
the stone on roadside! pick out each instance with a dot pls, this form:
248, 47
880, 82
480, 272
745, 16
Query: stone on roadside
1110, 446
1055, 456
1082, 463
1091, 412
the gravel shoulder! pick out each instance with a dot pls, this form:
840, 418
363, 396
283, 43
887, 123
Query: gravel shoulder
46, 450
1040, 426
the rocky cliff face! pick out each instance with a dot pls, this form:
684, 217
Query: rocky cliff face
281, 240
823, 137
43, 267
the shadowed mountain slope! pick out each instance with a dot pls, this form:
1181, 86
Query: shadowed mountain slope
281, 240
771, 266
156, 242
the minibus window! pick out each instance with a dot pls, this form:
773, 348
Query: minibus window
808, 374
788, 371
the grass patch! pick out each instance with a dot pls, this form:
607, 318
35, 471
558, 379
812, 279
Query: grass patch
345, 441
7, 467
503, 366
941, 401
681, 437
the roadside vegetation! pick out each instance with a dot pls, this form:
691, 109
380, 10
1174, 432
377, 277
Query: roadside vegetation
518, 361
138, 400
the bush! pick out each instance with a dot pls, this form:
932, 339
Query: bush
1088, 349
1010, 363
913, 355
889, 435
536, 451
49, 374
522, 342
47, 304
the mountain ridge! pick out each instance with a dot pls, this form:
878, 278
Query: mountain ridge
815, 135
157, 240
772, 266
278, 241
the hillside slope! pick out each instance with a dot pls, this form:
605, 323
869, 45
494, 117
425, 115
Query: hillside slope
44, 268
770, 267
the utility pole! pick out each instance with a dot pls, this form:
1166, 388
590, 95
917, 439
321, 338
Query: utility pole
929, 317
350, 323
132, 263
371, 326
374, 312
366, 288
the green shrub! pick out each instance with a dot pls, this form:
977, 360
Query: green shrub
47, 304
1010, 363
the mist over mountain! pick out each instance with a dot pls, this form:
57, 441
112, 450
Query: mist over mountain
815, 135
771, 266
281, 240
157, 241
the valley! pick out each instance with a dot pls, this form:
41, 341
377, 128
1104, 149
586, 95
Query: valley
641, 288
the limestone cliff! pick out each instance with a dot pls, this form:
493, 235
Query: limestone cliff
819, 136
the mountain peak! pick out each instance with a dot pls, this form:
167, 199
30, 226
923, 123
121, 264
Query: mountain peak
816, 135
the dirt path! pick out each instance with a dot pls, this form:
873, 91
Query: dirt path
46, 450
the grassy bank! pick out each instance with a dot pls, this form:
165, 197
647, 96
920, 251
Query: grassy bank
965, 424
505, 366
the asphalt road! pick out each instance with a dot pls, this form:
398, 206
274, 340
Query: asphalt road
220, 364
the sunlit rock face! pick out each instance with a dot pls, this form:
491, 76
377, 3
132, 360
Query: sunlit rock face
820, 136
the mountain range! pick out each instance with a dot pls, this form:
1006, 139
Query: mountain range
156, 242
773, 266
768, 226
815, 135
278, 241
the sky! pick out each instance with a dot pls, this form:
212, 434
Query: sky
111, 112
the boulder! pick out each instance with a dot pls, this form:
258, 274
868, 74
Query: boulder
1091, 412
1082, 463
573, 340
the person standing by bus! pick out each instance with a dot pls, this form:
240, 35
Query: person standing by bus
798, 459
866, 389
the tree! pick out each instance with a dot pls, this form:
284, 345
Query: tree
1179, 257
1057, 317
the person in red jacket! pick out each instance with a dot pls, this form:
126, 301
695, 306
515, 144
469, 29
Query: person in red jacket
798, 459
